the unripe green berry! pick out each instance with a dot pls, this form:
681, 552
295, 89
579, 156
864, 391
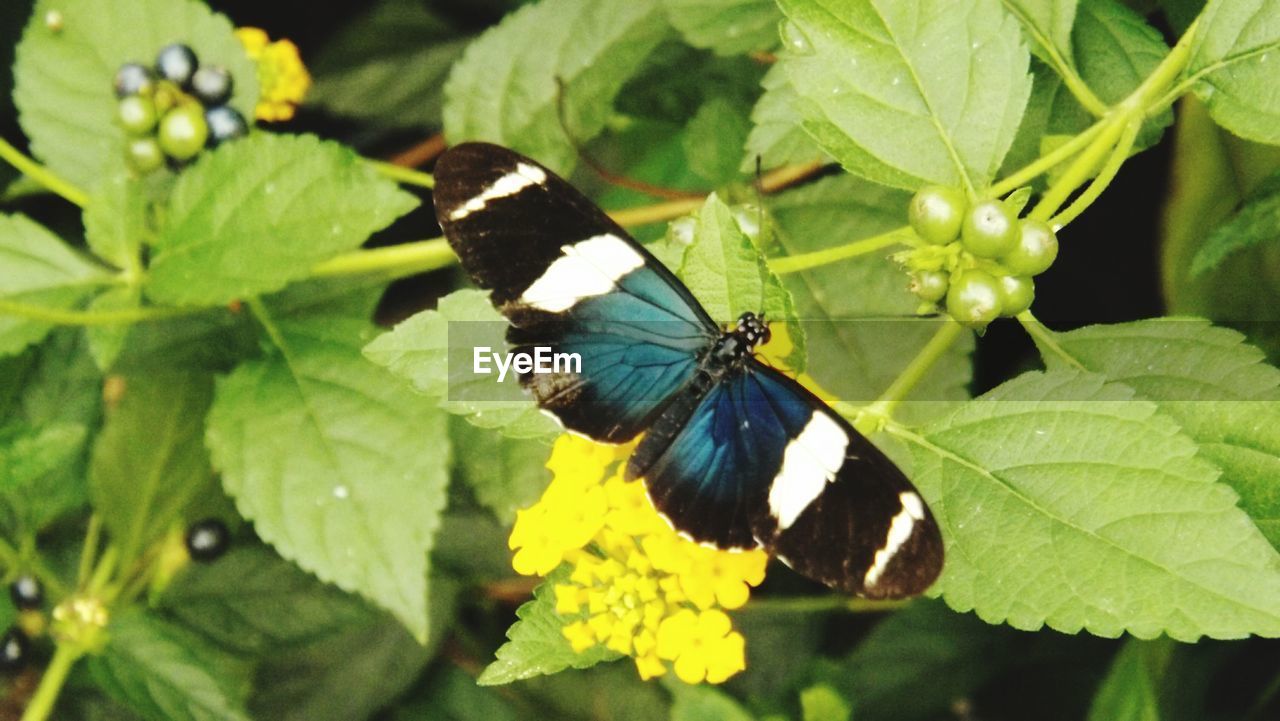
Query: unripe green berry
183, 131
1035, 251
930, 285
935, 213
989, 230
137, 114
1016, 294
974, 298
144, 154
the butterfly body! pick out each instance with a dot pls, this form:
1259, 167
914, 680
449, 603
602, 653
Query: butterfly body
734, 453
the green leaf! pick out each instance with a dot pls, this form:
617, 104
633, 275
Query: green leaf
1214, 174
537, 645
449, 693
1218, 388
63, 79
388, 66
116, 222
337, 468
433, 350
107, 341
63, 385
777, 136
38, 269
34, 486
254, 603
1047, 24
1116, 49
353, 674
1233, 65
167, 674
906, 94
1131, 689
858, 314
726, 273
506, 88
823, 703
916, 662
728, 27
505, 474
1065, 501
253, 215
1256, 223
714, 138
149, 462
704, 703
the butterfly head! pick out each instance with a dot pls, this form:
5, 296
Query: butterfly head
753, 330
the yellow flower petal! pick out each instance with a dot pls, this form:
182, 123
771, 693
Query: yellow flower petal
650, 666
725, 657
568, 598
676, 633
579, 635
691, 668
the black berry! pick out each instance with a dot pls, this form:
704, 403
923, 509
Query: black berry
207, 539
134, 79
212, 85
177, 63
14, 649
27, 592
225, 123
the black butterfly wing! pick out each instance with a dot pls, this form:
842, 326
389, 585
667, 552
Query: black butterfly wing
755, 458
570, 280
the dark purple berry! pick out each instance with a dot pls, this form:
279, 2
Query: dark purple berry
225, 123
134, 79
212, 85
177, 63
27, 592
14, 649
207, 539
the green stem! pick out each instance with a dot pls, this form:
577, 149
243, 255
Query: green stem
817, 604
61, 316
1119, 154
102, 574
1045, 339
401, 174
406, 259
89, 551
27, 559
41, 174
1070, 78
55, 676
805, 261
1047, 162
1079, 171
883, 408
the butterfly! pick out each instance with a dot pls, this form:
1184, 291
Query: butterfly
734, 453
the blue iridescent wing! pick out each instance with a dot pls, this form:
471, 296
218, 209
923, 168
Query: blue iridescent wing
753, 459
571, 281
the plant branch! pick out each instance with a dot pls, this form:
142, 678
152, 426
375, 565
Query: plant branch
1106, 174
656, 213
1045, 339
423, 152
1069, 76
55, 676
819, 604
814, 259
1047, 162
882, 409
122, 316
42, 175
401, 174
400, 260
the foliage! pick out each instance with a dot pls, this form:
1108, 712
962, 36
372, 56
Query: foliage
222, 339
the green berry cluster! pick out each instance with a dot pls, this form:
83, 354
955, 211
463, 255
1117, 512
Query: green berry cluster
979, 258
174, 109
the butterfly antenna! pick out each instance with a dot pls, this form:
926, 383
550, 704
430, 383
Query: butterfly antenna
562, 114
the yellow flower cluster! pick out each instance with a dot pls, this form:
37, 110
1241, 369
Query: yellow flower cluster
282, 77
636, 586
